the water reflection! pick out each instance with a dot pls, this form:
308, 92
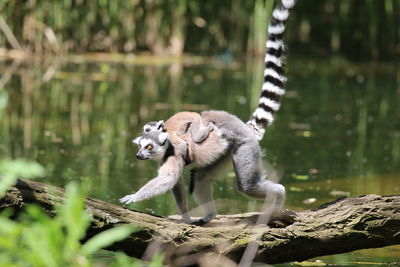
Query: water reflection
337, 133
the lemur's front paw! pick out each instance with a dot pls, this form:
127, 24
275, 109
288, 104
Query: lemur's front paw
128, 199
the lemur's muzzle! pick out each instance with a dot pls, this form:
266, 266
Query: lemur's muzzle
140, 156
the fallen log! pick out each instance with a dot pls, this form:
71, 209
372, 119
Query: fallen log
340, 226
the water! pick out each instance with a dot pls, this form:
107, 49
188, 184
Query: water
337, 134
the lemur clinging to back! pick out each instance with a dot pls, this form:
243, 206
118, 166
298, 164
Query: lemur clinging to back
220, 133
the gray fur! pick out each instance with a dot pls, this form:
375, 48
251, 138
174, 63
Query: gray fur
208, 141
246, 156
236, 141
202, 180
181, 202
167, 178
185, 151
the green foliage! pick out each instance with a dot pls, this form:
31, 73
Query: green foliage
355, 28
39, 240
10, 170
21, 168
123, 260
106, 238
3, 100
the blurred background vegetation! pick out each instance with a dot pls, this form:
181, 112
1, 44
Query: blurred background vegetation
357, 29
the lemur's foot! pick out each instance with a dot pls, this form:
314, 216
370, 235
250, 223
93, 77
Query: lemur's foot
199, 222
215, 128
204, 220
211, 126
186, 219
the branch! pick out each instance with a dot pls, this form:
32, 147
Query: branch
9, 34
340, 226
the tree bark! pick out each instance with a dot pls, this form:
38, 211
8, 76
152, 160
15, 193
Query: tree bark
343, 225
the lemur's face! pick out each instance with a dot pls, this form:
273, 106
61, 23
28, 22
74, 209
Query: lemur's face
153, 143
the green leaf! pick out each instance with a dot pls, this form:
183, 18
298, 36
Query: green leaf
124, 260
10, 170
74, 217
5, 183
35, 238
21, 168
157, 260
107, 238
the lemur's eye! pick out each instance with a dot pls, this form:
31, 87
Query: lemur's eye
149, 147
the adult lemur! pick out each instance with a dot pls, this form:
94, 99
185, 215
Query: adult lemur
204, 142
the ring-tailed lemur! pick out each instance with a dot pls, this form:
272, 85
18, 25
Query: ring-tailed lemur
223, 133
182, 144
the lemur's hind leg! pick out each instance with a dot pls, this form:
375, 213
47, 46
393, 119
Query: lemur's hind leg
201, 187
202, 194
251, 176
199, 131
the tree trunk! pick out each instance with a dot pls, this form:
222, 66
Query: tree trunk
340, 226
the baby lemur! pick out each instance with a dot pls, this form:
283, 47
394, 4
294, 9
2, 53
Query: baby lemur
206, 142
186, 132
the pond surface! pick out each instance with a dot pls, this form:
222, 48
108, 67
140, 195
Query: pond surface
337, 133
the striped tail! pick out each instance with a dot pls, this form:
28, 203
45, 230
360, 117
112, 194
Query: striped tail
274, 79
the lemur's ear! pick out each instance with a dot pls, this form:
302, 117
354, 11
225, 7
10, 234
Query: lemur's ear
162, 138
146, 128
160, 125
136, 140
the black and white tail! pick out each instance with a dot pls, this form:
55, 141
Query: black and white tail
274, 78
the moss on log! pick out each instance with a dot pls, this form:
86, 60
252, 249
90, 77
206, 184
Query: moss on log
340, 226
